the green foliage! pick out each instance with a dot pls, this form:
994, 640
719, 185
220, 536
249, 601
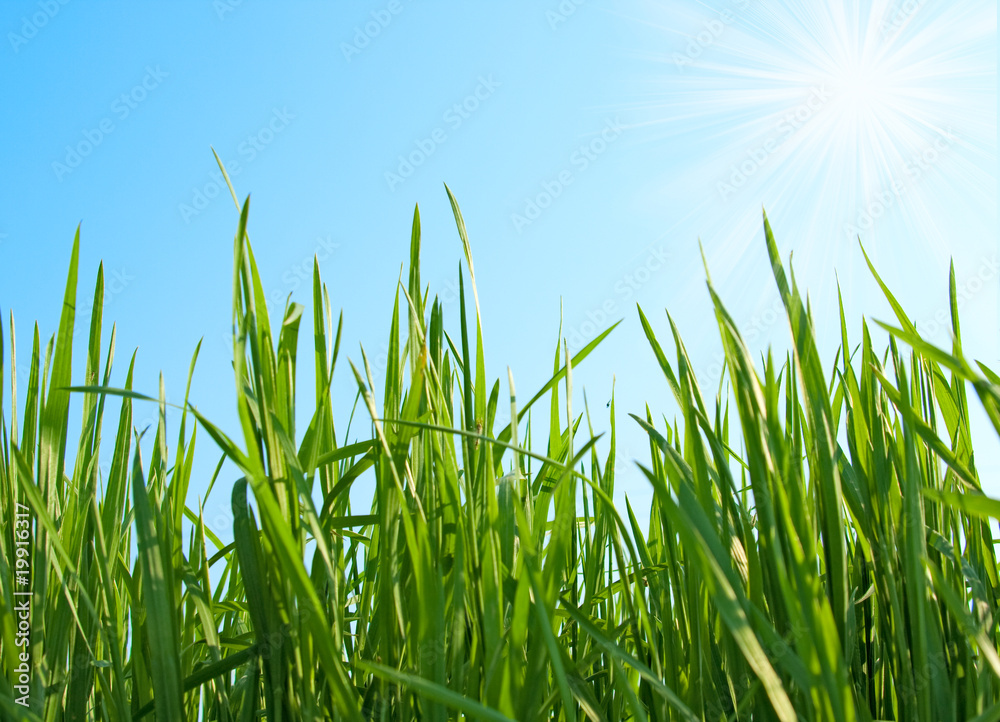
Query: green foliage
839, 566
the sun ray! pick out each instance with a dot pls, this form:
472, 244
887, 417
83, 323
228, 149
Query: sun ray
861, 119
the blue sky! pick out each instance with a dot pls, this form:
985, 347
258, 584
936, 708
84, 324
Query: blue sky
591, 145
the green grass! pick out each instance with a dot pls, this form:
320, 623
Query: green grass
818, 546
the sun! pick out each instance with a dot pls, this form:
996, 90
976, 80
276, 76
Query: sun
862, 89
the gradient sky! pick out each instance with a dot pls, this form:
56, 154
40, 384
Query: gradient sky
591, 145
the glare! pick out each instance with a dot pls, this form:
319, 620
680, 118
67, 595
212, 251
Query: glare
857, 119
861, 88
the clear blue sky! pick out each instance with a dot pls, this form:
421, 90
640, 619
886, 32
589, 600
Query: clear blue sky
590, 144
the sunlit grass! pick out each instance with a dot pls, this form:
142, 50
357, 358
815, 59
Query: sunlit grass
783, 573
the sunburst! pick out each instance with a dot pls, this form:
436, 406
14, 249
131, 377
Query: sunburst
874, 119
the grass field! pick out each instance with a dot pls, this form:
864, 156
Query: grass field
818, 547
